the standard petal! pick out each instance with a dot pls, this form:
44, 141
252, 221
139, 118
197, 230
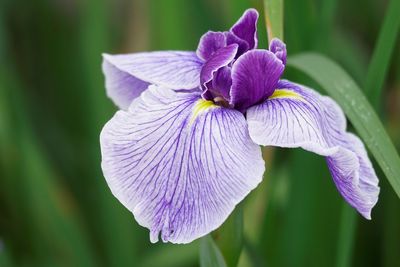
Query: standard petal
179, 163
173, 69
295, 116
209, 43
246, 27
222, 82
220, 59
243, 46
254, 77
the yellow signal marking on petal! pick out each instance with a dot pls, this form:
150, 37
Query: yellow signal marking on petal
201, 106
285, 93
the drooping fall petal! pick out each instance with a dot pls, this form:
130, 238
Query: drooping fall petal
179, 163
295, 116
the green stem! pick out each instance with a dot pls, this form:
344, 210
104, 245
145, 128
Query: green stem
348, 225
383, 51
210, 255
273, 10
229, 237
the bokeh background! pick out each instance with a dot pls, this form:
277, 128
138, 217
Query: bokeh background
55, 207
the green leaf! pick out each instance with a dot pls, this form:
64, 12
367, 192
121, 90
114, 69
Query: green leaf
210, 256
273, 10
345, 91
229, 237
382, 53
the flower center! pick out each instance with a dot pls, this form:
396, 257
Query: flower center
201, 106
220, 101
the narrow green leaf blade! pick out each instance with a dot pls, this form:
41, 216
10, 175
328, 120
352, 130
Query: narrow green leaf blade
210, 256
345, 91
383, 51
348, 225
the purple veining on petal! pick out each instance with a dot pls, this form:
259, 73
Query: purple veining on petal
173, 69
354, 175
222, 58
209, 43
222, 82
316, 123
246, 27
181, 176
254, 78
121, 87
243, 46
243, 33
213, 48
279, 49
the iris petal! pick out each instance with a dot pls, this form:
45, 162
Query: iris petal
220, 59
209, 43
179, 163
129, 74
246, 27
279, 49
254, 78
122, 87
300, 117
217, 62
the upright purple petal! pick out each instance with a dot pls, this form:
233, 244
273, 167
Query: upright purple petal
279, 49
243, 46
179, 163
254, 77
246, 27
222, 82
128, 75
209, 43
295, 116
219, 59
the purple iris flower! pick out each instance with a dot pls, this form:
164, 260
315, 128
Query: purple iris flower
184, 148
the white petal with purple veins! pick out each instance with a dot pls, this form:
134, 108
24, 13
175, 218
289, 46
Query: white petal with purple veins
180, 164
127, 74
295, 116
122, 87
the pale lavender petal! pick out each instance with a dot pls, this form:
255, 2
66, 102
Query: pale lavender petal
178, 163
219, 59
122, 87
254, 77
295, 116
209, 43
246, 27
354, 175
173, 69
279, 49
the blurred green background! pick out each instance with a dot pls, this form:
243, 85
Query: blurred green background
55, 207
